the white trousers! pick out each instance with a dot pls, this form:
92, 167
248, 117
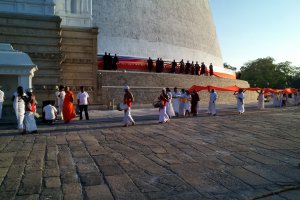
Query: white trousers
212, 108
127, 116
182, 109
240, 106
20, 121
163, 117
1, 104
261, 104
29, 122
60, 111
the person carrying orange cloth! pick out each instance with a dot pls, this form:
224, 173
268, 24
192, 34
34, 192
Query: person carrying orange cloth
68, 109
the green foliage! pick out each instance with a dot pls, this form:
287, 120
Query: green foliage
264, 72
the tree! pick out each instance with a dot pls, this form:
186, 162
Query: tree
264, 72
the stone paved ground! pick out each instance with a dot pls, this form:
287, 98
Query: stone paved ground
223, 157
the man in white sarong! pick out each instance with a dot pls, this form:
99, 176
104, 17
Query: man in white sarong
212, 102
261, 100
240, 96
1, 101
175, 100
19, 107
60, 97
182, 100
170, 109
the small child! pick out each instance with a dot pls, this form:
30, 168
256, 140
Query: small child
50, 113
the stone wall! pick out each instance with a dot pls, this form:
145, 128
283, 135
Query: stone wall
39, 37
79, 64
147, 86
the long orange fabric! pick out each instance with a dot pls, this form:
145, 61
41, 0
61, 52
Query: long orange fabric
235, 88
68, 107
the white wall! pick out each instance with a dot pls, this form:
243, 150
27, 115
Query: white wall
157, 28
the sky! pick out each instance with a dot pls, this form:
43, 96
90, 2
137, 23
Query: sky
251, 29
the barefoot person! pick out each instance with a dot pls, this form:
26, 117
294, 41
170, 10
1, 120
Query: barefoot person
212, 102
240, 96
170, 109
128, 99
29, 121
163, 116
261, 100
19, 99
68, 109
60, 100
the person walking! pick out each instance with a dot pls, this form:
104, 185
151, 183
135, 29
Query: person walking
68, 109
170, 109
128, 100
1, 101
83, 102
19, 99
60, 100
163, 116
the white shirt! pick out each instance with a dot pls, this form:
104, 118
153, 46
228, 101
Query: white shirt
83, 98
1, 96
60, 97
213, 96
49, 112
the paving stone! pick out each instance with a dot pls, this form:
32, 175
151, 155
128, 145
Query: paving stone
93, 178
31, 183
51, 194
123, 187
178, 160
52, 182
27, 197
72, 191
98, 192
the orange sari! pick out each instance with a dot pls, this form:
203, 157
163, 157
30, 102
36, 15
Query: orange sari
68, 107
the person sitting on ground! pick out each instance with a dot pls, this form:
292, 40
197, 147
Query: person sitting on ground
50, 113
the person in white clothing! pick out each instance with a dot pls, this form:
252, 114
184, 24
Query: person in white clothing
50, 113
19, 99
187, 105
175, 100
182, 100
170, 109
163, 97
261, 99
240, 96
83, 102
212, 102
60, 97
1, 101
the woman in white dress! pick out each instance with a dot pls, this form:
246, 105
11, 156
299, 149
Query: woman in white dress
240, 96
187, 105
19, 99
29, 120
163, 117
261, 100
175, 100
170, 110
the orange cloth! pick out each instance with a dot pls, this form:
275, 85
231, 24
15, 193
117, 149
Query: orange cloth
68, 107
